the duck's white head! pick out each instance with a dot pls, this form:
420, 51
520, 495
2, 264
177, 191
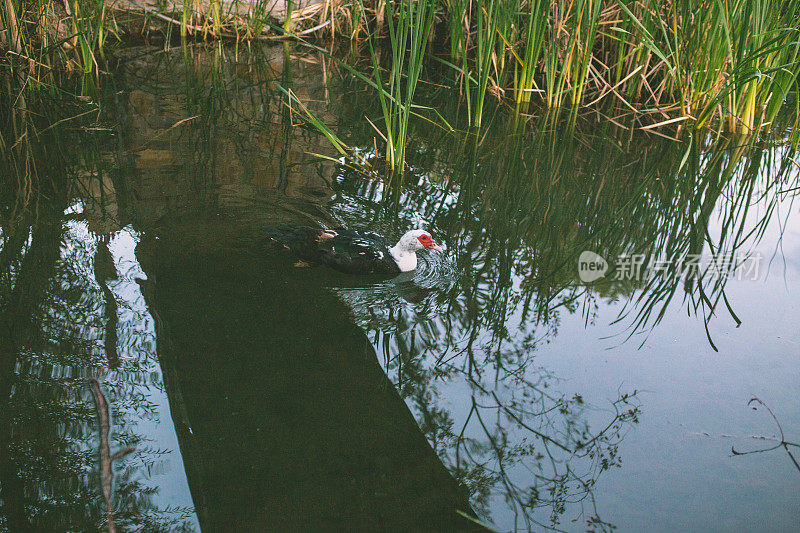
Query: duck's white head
405, 251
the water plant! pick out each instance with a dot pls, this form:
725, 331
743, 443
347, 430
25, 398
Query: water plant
734, 60
526, 67
409, 25
485, 36
731, 66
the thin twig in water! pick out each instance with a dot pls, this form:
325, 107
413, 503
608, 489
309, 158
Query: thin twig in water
159, 134
783, 443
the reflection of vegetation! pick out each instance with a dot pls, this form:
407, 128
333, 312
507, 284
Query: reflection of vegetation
52, 339
516, 212
510, 436
520, 440
222, 130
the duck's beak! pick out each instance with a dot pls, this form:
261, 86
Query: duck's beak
436, 247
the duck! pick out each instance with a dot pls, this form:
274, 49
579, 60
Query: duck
353, 251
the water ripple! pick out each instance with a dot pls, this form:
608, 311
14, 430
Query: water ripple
419, 295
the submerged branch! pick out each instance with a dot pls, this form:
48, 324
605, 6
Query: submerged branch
783, 442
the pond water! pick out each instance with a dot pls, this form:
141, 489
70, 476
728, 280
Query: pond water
165, 367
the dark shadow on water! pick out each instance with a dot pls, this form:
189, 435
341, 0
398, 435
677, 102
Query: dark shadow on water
285, 418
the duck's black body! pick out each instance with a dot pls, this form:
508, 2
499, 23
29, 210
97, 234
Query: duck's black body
348, 250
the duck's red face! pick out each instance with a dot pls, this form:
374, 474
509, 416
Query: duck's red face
426, 241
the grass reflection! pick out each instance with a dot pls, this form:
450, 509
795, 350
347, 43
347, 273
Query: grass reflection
516, 211
64, 325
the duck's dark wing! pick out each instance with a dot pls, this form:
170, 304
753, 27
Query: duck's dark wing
376, 239
353, 251
304, 241
359, 252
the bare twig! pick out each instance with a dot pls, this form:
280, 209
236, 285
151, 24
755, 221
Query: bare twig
782, 444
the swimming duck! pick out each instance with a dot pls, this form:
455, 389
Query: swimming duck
353, 251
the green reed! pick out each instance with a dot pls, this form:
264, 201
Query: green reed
34, 38
458, 25
89, 18
288, 18
526, 69
728, 65
736, 61
409, 25
485, 38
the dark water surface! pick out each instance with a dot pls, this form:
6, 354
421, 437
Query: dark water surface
492, 384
